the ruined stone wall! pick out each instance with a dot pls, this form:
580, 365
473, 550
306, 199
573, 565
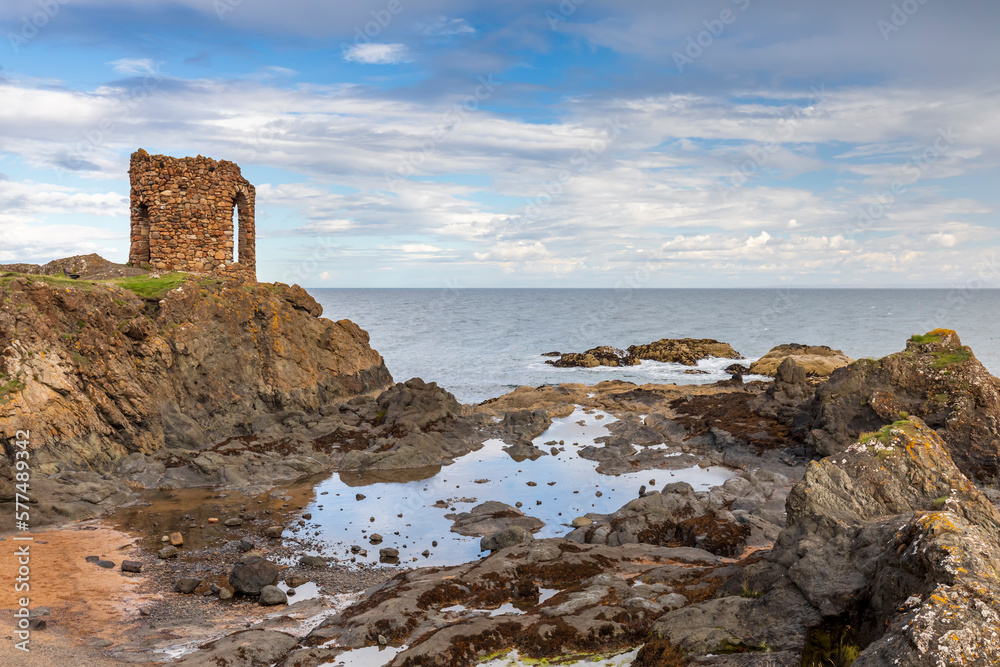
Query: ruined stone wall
183, 215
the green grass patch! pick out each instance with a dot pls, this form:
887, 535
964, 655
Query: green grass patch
9, 388
80, 360
922, 339
944, 358
152, 288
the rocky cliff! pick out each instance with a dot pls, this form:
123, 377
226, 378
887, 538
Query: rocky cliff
935, 378
101, 370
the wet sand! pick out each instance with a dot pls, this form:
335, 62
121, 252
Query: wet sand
89, 606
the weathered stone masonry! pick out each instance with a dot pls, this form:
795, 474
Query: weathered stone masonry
182, 215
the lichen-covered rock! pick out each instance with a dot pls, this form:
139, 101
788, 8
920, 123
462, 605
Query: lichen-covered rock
815, 360
891, 531
935, 378
687, 351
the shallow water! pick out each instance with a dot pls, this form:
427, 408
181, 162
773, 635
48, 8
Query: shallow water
487, 474
403, 507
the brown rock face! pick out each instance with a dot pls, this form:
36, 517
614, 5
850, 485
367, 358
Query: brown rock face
96, 372
935, 378
687, 351
815, 360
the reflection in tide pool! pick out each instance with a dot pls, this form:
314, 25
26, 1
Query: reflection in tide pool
370, 656
565, 486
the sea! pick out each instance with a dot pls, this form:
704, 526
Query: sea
482, 343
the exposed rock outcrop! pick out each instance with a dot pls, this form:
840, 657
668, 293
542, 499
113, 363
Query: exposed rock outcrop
97, 372
815, 360
491, 517
598, 356
687, 351
887, 541
935, 378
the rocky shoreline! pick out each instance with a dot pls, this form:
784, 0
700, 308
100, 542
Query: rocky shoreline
857, 522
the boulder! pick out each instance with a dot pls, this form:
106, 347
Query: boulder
250, 576
492, 517
508, 537
815, 360
187, 585
272, 595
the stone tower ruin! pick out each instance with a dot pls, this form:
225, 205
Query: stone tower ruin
183, 215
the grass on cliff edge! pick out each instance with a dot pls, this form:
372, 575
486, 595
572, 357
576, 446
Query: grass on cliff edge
152, 288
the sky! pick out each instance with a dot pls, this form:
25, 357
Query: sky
581, 143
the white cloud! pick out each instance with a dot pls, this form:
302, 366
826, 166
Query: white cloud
133, 65
377, 54
513, 251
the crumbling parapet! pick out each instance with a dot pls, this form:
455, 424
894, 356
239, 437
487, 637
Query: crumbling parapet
184, 211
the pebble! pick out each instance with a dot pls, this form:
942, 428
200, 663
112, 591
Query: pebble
213, 520
234, 522
131, 566
176, 539
360, 496
168, 552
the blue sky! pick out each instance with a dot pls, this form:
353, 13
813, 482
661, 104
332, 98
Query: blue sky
582, 143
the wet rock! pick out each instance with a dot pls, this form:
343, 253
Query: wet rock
250, 576
131, 566
375, 538
522, 426
523, 451
187, 585
598, 356
582, 521
686, 351
508, 537
274, 532
295, 581
168, 552
359, 496
313, 561
272, 595
92, 559
388, 555
491, 517
106, 564
252, 648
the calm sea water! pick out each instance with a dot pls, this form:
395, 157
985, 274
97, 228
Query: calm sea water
480, 343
